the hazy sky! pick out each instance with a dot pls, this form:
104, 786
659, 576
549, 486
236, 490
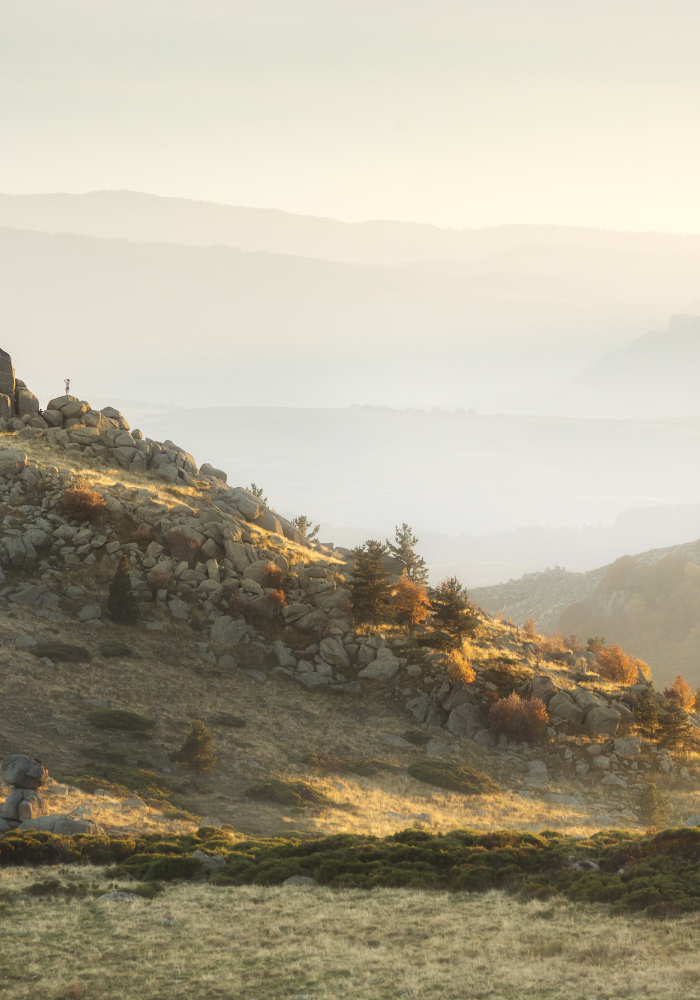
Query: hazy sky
457, 112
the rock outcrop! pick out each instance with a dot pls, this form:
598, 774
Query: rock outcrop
25, 808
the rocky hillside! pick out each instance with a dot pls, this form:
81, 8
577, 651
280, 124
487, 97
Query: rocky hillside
649, 603
245, 624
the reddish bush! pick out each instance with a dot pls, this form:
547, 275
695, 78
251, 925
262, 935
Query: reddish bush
180, 546
681, 693
142, 535
459, 667
158, 580
237, 605
82, 505
273, 576
617, 666
518, 719
411, 602
278, 599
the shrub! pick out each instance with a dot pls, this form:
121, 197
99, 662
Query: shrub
595, 643
231, 721
180, 545
273, 576
680, 692
278, 599
459, 667
197, 752
113, 648
115, 718
239, 606
159, 580
654, 808
458, 779
363, 766
287, 793
411, 603
121, 603
142, 535
61, 652
258, 492
519, 719
453, 610
82, 505
418, 737
617, 666
529, 630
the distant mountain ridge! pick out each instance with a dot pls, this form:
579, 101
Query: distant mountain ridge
649, 603
143, 217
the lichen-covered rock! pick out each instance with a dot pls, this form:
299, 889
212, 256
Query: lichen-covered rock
382, 668
24, 772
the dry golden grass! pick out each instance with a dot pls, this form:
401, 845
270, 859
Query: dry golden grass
204, 943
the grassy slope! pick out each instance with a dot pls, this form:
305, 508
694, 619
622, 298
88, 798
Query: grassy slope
202, 942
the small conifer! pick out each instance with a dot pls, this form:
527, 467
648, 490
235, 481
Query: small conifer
646, 713
674, 731
453, 610
654, 808
371, 590
121, 602
197, 752
404, 550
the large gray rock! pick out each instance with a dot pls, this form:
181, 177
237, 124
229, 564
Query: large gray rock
543, 687
466, 720
334, 653
89, 612
257, 571
228, 631
603, 720
366, 654
32, 805
332, 598
12, 461
269, 521
7, 374
317, 619
459, 695
565, 707
211, 473
27, 404
23, 771
66, 827
6, 407
628, 748
209, 860
382, 668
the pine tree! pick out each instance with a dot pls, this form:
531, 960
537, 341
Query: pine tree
404, 550
453, 610
674, 731
121, 602
257, 492
654, 808
646, 713
304, 524
197, 752
371, 590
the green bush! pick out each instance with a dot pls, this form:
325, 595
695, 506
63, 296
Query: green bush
657, 875
654, 808
458, 779
114, 648
231, 721
287, 793
118, 719
61, 652
418, 737
363, 765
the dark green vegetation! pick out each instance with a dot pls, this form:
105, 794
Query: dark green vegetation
231, 721
121, 603
371, 590
337, 765
197, 752
114, 718
418, 737
114, 648
458, 779
404, 549
658, 875
61, 652
121, 781
453, 611
287, 793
